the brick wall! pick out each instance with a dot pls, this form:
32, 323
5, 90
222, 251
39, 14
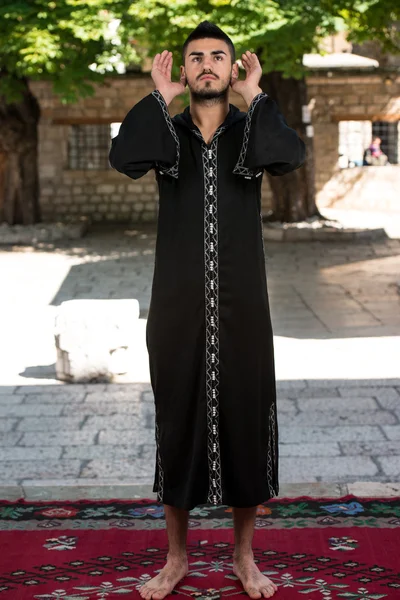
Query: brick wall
106, 195
345, 98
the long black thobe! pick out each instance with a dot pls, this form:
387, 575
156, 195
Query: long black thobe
209, 334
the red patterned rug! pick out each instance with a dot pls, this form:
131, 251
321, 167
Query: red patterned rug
313, 549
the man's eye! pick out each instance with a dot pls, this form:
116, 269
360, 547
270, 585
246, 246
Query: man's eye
220, 57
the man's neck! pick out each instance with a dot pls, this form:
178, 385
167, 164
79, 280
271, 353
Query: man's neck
209, 115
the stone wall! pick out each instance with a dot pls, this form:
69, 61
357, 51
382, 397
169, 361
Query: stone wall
106, 195
350, 97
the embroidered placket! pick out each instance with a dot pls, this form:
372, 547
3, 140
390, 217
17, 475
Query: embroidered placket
211, 288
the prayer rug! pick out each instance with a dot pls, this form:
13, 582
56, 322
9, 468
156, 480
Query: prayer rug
312, 548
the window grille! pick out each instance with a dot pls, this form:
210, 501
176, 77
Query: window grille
356, 136
89, 145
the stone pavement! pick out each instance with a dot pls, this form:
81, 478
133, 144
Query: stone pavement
336, 319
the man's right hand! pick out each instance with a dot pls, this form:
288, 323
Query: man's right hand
161, 75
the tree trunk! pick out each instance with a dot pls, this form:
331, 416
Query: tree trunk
293, 193
19, 182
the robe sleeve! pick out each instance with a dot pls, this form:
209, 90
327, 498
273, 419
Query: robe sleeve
268, 142
146, 139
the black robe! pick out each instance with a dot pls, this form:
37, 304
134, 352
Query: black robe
209, 334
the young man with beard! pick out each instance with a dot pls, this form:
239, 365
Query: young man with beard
209, 334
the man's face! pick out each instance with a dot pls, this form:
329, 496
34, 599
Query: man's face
208, 56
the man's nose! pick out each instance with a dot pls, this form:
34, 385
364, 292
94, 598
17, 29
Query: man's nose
207, 64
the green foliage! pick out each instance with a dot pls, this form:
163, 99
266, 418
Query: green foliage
65, 41
280, 31
70, 42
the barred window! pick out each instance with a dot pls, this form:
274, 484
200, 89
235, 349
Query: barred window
356, 136
89, 145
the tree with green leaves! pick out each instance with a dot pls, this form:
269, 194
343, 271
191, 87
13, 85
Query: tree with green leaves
67, 42
280, 32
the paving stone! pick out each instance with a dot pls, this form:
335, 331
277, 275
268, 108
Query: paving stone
127, 387
390, 465
85, 488
50, 389
103, 408
38, 469
325, 418
10, 438
58, 438
381, 392
55, 398
346, 383
371, 448
103, 451
370, 490
296, 384
345, 433
129, 469
36, 453
11, 492
148, 396
313, 393
10, 399
332, 468
148, 452
27, 410
129, 395
285, 405
337, 404
294, 271
49, 423
7, 390
122, 422
137, 435
312, 489
311, 449
392, 432
389, 403
7, 424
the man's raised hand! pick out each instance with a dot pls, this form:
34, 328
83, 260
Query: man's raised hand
161, 75
248, 87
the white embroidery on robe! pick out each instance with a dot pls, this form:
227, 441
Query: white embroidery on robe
239, 168
174, 170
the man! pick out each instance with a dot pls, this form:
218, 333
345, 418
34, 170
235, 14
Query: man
209, 332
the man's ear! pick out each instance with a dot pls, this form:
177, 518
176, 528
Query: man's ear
234, 73
183, 75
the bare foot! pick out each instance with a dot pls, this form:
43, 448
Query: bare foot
163, 584
255, 584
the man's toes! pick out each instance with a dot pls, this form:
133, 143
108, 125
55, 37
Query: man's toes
254, 593
159, 594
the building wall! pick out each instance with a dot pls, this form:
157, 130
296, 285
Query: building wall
345, 98
106, 195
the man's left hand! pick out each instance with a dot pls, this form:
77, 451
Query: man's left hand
248, 88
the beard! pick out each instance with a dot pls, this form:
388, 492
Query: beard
208, 95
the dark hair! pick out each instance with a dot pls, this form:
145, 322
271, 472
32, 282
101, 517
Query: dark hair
208, 30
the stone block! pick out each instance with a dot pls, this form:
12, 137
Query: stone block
69, 438
105, 188
95, 338
340, 433
43, 469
